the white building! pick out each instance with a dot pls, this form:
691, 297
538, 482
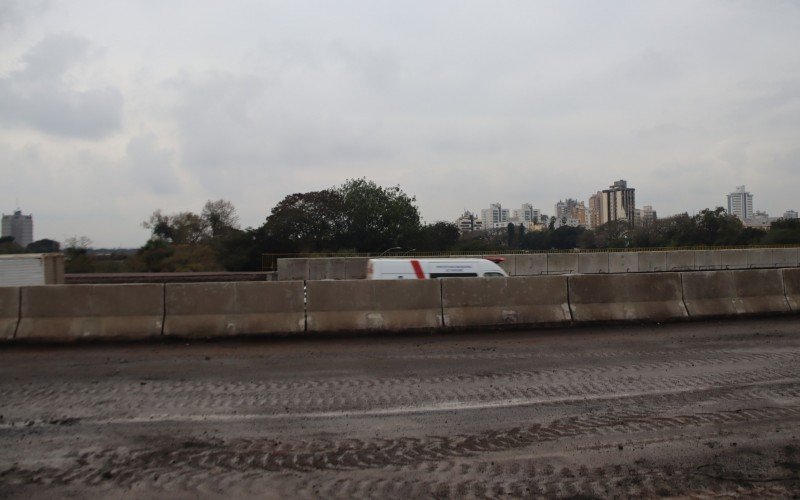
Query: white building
469, 222
740, 204
526, 213
790, 214
495, 216
20, 227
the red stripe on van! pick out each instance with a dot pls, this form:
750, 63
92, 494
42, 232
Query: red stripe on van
418, 269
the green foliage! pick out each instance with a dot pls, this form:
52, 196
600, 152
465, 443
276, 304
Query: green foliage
43, 246
437, 237
377, 218
7, 245
784, 231
308, 222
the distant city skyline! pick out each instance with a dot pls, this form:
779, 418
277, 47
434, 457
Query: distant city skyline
111, 110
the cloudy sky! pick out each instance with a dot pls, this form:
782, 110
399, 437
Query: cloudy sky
112, 109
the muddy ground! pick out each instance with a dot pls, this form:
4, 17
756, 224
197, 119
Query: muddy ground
707, 409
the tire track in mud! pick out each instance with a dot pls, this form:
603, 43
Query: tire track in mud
32, 391
163, 403
343, 394
127, 467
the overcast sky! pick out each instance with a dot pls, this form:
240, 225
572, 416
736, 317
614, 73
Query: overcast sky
112, 109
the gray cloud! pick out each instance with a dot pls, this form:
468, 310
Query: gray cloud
151, 166
41, 96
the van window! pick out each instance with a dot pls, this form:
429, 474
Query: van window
453, 275
492, 275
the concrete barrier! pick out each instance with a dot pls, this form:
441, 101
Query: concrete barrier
355, 268
623, 262
9, 312
562, 263
791, 282
626, 297
534, 264
525, 300
71, 312
388, 305
727, 293
712, 260
785, 257
680, 260
327, 269
593, 263
292, 269
236, 308
509, 265
759, 259
652, 262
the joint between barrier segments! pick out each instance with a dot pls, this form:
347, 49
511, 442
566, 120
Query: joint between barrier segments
441, 301
19, 313
163, 308
305, 306
683, 297
569, 300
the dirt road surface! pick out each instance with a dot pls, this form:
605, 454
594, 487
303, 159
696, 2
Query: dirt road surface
701, 410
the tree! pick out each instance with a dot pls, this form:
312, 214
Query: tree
183, 228
437, 237
783, 231
307, 222
510, 230
8, 245
43, 246
76, 255
377, 218
220, 215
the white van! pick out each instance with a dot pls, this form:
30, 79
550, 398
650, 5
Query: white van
410, 269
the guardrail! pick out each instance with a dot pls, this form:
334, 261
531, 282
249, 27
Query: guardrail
64, 313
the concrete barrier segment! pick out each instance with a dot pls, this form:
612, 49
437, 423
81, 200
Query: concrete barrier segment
652, 262
522, 300
207, 310
9, 312
626, 297
712, 260
760, 259
623, 262
680, 260
293, 269
785, 257
355, 268
791, 282
593, 263
534, 264
509, 265
327, 269
72, 312
731, 293
562, 263
365, 305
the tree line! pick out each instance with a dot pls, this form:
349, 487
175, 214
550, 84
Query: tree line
361, 216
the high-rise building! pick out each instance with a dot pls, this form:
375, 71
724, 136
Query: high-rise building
618, 202
526, 213
20, 227
571, 209
595, 210
740, 204
469, 222
645, 215
495, 216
